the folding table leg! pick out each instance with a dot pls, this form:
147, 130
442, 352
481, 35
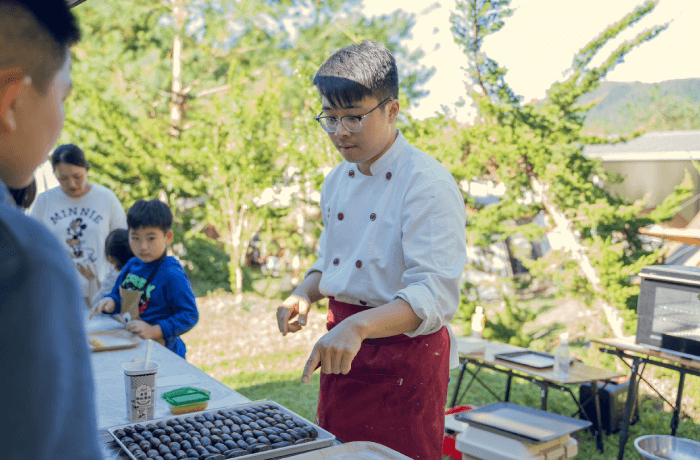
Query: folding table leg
677, 409
631, 396
459, 382
599, 426
510, 379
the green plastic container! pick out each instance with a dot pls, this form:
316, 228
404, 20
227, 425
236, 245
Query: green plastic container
186, 399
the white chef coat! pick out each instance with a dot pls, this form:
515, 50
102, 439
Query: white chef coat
399, 233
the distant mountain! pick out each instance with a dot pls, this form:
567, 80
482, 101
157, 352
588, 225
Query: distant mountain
625, 107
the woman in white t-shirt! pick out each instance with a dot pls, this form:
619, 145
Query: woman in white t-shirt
80, 214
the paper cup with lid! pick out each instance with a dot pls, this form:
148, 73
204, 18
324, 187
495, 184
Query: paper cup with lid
140, 385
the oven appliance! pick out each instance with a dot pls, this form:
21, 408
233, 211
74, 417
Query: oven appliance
668, 310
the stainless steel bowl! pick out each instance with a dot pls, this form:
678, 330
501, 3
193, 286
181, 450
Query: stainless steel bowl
658, 447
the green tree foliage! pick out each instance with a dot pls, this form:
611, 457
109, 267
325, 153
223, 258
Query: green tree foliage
536, 151
209, 104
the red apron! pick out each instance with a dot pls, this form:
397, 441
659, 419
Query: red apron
394, 394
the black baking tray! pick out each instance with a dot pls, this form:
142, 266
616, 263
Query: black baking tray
529, 358
324, 438
522, 423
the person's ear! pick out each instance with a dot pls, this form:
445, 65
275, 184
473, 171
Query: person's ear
169, 236
394, 107
12, 83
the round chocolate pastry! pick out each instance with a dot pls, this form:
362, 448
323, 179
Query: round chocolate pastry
262, 423
251, 441
257, 433
242, 444
180, 421
179, 428
155, 442
192, 453
147, 434
228, 423
133, 447
158, 432
223, 413
278, 418
119, 433
145, 445
213, 457
269, 412
277, 445
215, 439
201, 450
225, 430
137, 437
180, 455
152, 453
213, 450
200, 419
208, 416
165, 439
169, 430
235, 436
246, 419
128, 430
254, 425
235, 428
275, 439
196, 441
269, 420
140, 455
208, 424
190, 420
216, 431
184, 445
169, 457
311, 431
245, 427
247, 434
281, 426
294, 435
174, 446
126, 440
290, 424
301, 432
222, 447
263, 440
287, 437
302, 441
236, 419
185, 436
205, 432
161, 425
260, 448
163, 450
287, 417
175, 437
139, 428
219, 417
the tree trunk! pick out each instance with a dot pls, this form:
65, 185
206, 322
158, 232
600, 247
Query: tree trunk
177, 98
573, 246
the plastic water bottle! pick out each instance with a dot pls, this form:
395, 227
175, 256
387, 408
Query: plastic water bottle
562, 360
478, 323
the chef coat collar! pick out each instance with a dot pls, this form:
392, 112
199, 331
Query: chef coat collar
386, 160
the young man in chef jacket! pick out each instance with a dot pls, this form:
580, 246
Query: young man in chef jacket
391, 258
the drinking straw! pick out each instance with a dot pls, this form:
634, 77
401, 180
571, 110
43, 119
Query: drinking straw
148, 353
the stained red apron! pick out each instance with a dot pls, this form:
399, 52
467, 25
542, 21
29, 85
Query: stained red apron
395, 393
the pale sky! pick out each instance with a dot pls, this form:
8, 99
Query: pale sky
538, 43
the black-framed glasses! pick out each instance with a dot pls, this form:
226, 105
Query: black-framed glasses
352, 123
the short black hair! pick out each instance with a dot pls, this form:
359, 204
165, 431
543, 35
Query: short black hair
35, 35
24, 197
71, 154
152, 213
117, 246
354, 72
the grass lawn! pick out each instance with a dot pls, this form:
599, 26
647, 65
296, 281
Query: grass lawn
241, 347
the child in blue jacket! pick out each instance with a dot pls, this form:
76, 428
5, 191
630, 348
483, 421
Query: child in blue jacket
167, 306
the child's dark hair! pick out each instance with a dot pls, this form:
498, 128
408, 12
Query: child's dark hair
71, 154
152, 213
117, 247
352, 73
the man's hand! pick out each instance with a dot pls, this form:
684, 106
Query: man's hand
334, 351
145, 330
106, 305
293, 306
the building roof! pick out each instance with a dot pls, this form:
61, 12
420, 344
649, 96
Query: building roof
654, 146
